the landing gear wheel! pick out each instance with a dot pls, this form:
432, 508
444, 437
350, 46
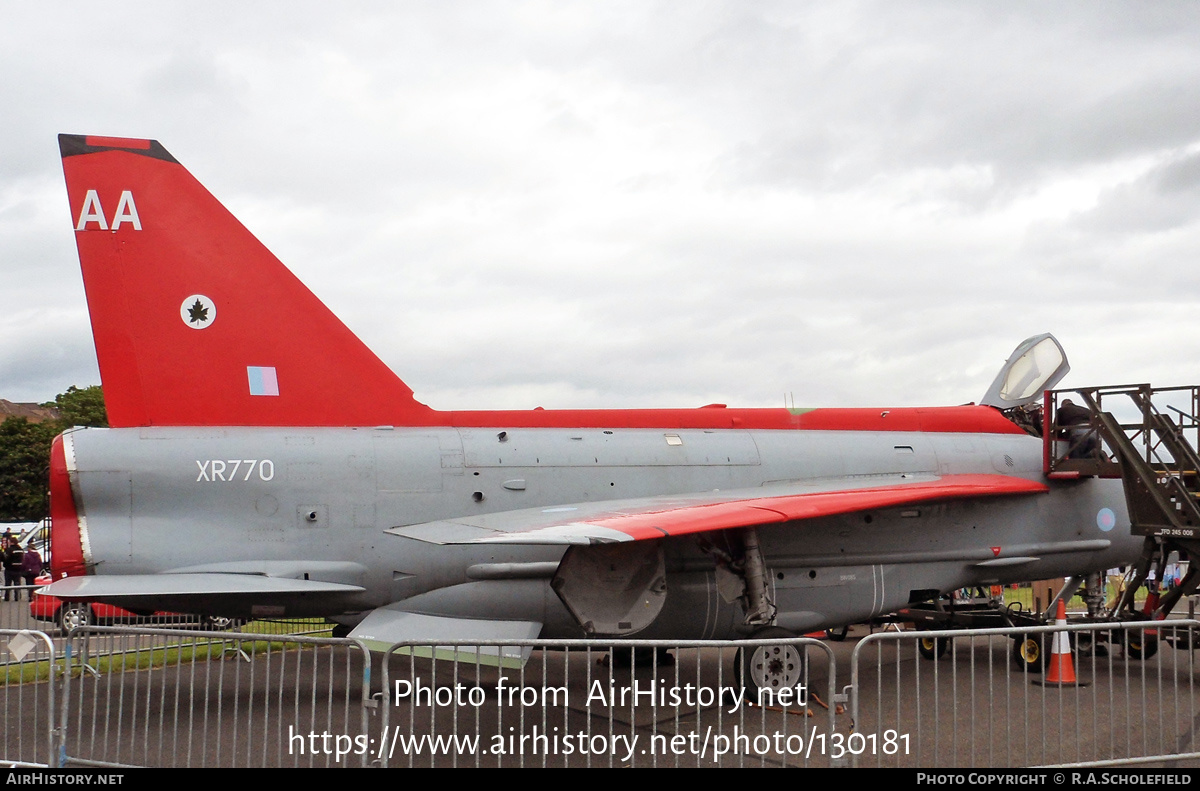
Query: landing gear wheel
1139, 645
837, 635
933, 647
75, 615
772, 667
1029, 653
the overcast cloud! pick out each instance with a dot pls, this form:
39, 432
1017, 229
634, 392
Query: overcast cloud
647, 204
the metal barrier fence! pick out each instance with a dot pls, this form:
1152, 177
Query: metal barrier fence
167, 697
181, 698
14, 609
28, 699
979, 697
610, 703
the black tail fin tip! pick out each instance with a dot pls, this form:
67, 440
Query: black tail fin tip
75, 145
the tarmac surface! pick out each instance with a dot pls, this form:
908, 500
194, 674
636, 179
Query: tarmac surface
190, 700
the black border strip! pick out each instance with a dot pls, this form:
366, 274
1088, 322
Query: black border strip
77, 145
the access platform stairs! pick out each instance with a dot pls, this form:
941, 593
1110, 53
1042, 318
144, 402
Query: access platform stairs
1147, 437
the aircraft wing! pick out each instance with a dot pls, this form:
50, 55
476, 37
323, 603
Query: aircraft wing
210, 592
658, 517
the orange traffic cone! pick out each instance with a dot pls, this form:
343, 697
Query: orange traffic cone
1061, 672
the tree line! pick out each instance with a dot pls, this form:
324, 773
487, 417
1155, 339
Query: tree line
25, 452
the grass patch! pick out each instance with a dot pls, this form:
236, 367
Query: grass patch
307, 628
145, 658
1025, 595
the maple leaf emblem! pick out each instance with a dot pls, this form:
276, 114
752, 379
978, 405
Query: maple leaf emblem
197, 313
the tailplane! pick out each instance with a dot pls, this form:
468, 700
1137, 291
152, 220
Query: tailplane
195, 322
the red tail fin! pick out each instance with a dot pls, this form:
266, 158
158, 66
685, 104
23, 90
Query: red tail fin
195, 322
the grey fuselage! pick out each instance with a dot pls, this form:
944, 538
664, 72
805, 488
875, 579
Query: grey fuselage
314, 504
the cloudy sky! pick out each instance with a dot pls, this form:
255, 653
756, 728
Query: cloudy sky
574, 204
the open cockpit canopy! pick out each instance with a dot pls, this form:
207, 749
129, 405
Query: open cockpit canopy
1036, 365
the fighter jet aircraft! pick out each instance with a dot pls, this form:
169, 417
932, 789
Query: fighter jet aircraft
262, 461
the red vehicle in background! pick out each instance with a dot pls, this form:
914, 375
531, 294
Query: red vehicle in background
70, 615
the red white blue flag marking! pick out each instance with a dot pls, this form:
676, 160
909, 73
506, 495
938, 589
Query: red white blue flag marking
263, 381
